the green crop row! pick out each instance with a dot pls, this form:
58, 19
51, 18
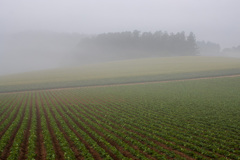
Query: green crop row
214, 143
84, 152
16, 121
74, 122
31, 153
48, 144
177, 120
18, 140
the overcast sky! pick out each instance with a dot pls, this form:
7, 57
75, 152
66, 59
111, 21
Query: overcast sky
214, 20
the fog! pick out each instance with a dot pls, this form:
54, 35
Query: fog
46, 34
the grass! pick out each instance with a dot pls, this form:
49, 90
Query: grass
129, 71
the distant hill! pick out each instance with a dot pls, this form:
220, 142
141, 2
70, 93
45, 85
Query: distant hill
38, 50
128, 71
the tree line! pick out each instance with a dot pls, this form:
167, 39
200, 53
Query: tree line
232, 50
136, 43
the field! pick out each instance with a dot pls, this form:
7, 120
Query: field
197, 119
121, 72
164, 115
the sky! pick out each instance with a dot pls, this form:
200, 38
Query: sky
211, 20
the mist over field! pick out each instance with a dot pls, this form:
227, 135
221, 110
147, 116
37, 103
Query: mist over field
37, 35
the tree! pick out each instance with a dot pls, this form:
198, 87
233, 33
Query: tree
191, 44
143, 44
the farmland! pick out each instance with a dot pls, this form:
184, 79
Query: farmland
121, 72
166, 108
197, 119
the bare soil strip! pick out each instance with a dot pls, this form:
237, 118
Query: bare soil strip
56, 145
24, 145
41, 151
122, 84
6, 151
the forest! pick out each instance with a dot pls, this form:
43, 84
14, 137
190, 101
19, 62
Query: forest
141, 44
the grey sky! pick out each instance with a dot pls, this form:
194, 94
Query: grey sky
214, 20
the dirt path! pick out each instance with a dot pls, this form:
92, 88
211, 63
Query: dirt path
123, 84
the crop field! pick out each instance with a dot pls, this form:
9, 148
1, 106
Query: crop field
196, 119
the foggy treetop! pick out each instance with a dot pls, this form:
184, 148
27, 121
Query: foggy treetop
66, 22
213, 20
150, 44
